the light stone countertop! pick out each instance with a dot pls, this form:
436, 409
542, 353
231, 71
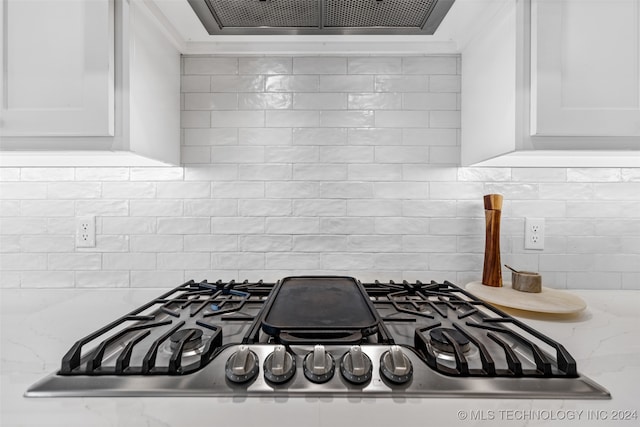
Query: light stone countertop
39, 325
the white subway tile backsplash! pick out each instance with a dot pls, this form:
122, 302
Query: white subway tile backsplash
320, 172
47, 174
444, 83
156, 243
234, 225
243, 154
23, 225
292, 190
210, 101
319, 65
210, 65
375, 172
97, 208
402, 119
23, 190
215, 172
179, 190
206, 137
374, 136
374, 65
346, 118
129, 261
401, 190
235, 119
430, 101
278, 119
401, 225
284, 260
630, 174
264, 136
429, 65
319, 243
78, 261
238, 189
401, 83
346, 190
292, 83
373, 207
195, 155
210, 243
265, 65
184, 225
265, 243
353, 83
238, 84
298, 225
195, 84
593, 174
195, 119
156, 208
9, 174
404, 154
277, 154
121, 190
265, 101
264, 172
128, 225
319, 101
319, 207
265, 207
50, 208
315, 165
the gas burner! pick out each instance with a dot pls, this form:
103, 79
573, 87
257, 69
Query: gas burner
193, 344
440, 342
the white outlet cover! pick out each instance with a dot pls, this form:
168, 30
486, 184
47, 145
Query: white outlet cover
85, 232
534, 233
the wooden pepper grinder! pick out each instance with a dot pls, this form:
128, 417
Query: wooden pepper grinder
492, 271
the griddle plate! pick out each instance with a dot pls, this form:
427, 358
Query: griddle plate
324, 303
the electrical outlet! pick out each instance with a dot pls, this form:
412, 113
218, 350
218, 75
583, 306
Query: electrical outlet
534, 233
85, 232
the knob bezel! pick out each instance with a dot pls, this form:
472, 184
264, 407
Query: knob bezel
389, 375
251, 374
350, 376
315, 378
279, 379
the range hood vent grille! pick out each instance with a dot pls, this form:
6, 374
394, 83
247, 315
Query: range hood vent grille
251, 17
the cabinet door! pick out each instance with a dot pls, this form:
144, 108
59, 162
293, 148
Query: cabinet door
585, 68
57, 61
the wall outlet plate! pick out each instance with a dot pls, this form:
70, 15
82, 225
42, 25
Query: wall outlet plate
534, 233
85, 232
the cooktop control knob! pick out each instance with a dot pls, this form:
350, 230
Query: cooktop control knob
242, 366
279, 366
319, 365
395, 365
356, 366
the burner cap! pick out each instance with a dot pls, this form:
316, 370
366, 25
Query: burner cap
192, 343
439, 342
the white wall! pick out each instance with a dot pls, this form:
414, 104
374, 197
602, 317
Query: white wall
337, 165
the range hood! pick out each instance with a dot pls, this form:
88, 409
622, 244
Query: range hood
321, 17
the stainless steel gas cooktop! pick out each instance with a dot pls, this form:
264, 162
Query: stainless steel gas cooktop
314, 336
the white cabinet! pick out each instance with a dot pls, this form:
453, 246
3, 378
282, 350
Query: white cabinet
88, 82
58, 59
585, 75
554, 83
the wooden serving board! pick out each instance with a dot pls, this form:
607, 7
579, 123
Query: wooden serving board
548, 301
